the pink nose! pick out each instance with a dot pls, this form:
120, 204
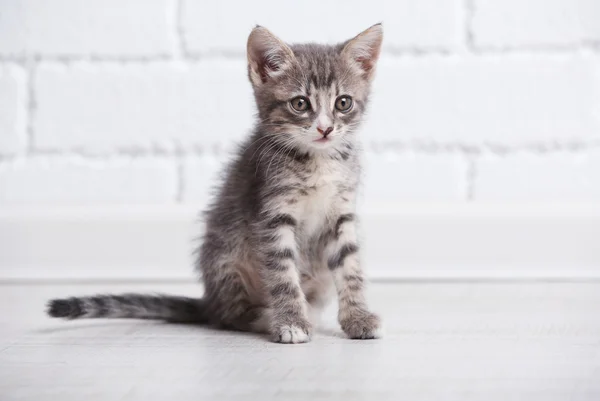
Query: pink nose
325, 131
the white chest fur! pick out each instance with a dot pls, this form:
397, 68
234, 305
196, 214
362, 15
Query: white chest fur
323, 195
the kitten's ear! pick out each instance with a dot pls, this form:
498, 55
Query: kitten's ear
364, 49
267, 55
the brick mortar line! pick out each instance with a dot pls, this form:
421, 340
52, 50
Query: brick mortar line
194, 57
471, 177
392, 53
182, 53
31, 106
592, 47
73, 58
98, 62
180, 188
84, 158
498, 149
469, 10
179, 30
119, 152
218, 150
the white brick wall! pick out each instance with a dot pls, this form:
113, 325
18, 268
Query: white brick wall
100, 107
199, 177
562, 176
433, 24
136, 101
13, 102
129, 28
391, 177
73, 179
507, 100
537, 23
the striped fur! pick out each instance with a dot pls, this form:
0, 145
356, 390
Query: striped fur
128, 306
281, 231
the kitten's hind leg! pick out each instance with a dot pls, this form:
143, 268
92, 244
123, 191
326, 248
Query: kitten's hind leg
246, 317
232, 307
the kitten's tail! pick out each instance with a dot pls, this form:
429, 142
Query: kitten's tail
131, 306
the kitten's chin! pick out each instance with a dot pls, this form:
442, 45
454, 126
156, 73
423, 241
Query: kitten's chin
322, 144
326, 147
319, 145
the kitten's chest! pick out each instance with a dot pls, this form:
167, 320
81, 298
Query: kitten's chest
322, 197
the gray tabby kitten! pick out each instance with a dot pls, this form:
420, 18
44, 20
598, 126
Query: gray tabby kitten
281, 231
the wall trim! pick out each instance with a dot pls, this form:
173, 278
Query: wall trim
407, 241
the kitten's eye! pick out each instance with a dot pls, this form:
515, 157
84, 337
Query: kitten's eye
300, 103
343, 103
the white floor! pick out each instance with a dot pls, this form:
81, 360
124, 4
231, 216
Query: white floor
445, 341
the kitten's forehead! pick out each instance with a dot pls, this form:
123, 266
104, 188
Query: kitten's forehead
321, 67
320, 64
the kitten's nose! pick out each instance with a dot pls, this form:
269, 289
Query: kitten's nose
325, 131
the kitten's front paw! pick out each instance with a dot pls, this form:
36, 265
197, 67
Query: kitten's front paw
294, 333
361, 325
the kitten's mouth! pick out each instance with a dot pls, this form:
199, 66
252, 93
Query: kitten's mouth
322, 140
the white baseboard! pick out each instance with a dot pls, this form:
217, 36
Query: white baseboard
464, 241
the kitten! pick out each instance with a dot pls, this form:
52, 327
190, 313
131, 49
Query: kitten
281, 231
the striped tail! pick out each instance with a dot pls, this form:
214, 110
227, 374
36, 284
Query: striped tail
131, 306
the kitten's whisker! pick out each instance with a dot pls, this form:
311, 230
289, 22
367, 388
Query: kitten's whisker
278, 152
267, 136
267, 150
288, 144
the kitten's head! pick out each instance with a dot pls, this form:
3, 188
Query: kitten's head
312, 96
